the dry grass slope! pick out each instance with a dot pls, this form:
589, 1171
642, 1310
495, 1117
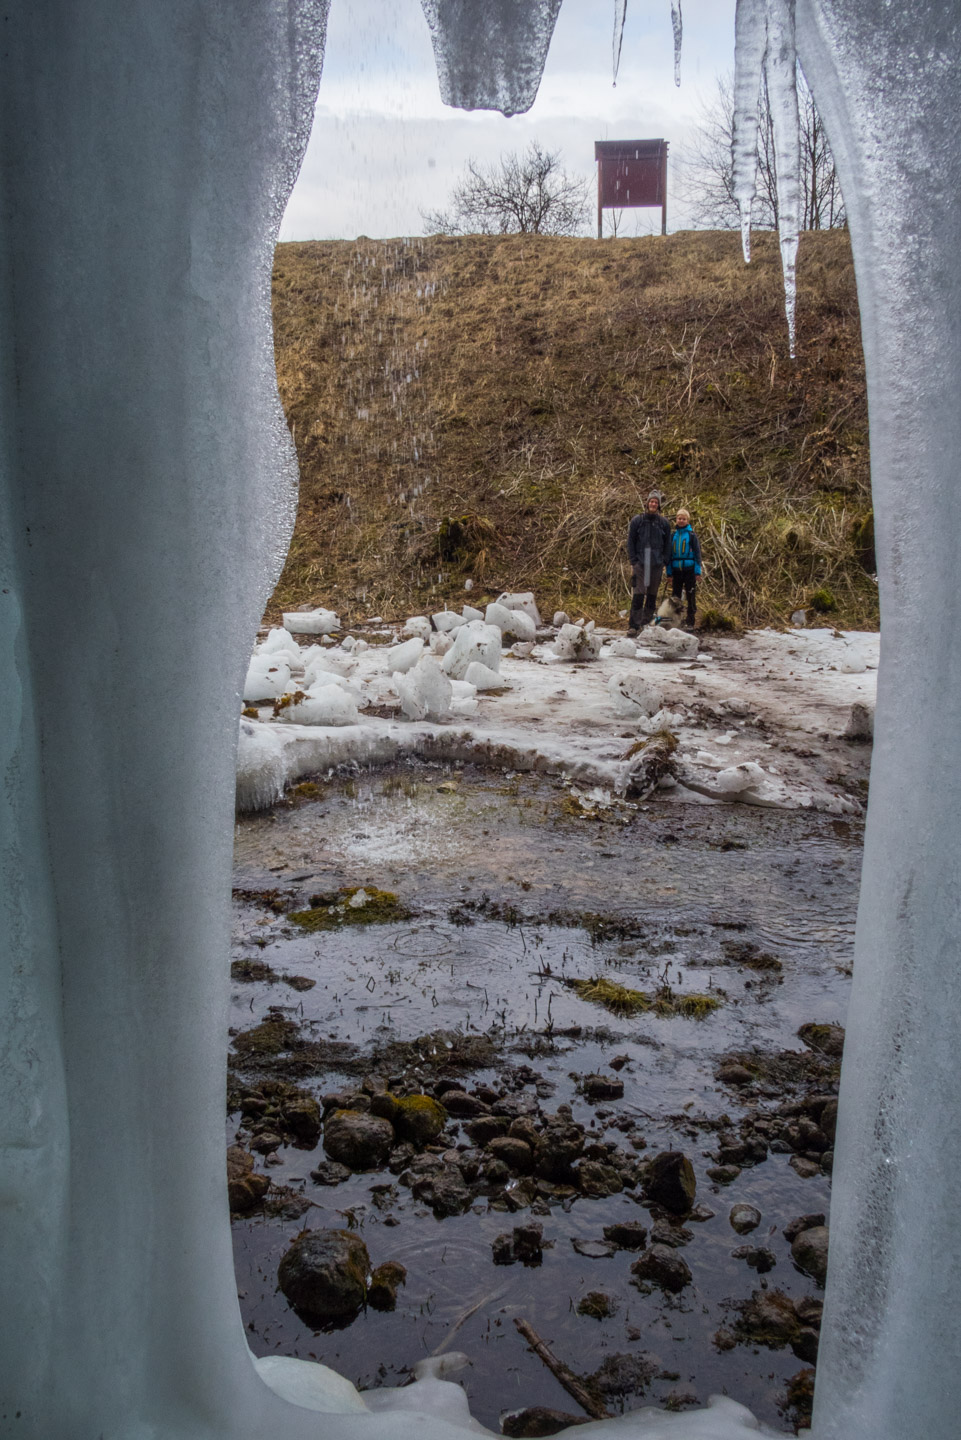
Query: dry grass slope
494, 407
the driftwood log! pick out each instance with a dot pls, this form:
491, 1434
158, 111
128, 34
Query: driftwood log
574, 1387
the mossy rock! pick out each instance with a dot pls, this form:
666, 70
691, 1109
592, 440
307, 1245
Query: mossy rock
324, 1274
823, 600
596, 1305
419, 1119
384, 1282
351, 905
270, 1037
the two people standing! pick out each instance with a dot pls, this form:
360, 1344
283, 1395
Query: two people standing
652, 548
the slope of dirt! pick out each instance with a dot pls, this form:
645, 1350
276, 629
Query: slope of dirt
496, 408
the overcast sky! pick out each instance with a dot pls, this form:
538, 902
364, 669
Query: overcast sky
384, 147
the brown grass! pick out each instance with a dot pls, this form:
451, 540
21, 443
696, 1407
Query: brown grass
494, 407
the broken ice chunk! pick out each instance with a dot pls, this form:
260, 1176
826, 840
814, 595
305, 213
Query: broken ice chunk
312, 622
448, 620
523, 602
401, 658
268, 676
737, 778
425, 691
633, 694
474, 641
483, 678
515, 624
419, 626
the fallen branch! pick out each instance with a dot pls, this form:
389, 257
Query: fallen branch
574, 1387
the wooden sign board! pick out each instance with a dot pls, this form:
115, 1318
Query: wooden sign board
631, 174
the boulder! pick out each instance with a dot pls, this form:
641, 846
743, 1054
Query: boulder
461, 1105
627, 1235
324, 1274
302, 1119
744, 1218
446, 1191
357, 1139
809, 1251
803, 1222
419, 1119
245, 1188
759, 1257
596, 1179
669, 1181
516, 1154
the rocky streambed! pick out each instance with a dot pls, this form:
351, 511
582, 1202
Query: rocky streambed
498, 1056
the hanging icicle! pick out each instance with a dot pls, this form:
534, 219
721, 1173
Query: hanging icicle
765, 54
620, 15
677, 21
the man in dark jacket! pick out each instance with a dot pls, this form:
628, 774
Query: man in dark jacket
648, 542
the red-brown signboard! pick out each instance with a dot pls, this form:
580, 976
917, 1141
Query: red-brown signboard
631, 173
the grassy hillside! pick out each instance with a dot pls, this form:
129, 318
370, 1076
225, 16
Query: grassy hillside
499, 407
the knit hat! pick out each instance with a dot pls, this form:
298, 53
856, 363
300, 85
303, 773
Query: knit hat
655, 495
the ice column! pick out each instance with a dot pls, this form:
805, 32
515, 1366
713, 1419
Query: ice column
490, 56
765, 54
887, 80
146, 489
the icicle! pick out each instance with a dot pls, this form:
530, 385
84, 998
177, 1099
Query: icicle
750, 43
620, 15
781, 74
764, 45
677, 20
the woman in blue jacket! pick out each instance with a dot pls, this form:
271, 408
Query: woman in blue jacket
684, 564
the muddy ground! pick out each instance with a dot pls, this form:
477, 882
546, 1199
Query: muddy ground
507, 891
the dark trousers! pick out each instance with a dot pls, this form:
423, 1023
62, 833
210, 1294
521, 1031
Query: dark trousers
644, 599
686, 581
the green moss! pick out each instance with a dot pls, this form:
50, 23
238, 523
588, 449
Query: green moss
252, 970
419, 1118
717, 621
334, 909
621, 1000
271, 1037
823, 600
596, 1305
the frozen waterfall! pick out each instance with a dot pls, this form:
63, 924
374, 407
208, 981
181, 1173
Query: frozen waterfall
147, 153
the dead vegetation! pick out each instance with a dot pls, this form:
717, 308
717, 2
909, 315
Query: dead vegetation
492, 408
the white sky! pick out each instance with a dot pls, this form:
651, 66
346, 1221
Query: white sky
384, 147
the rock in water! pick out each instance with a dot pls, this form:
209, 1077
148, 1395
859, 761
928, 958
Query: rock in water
358, 1139
809, 1251
324, 1274
661, 1265
382, 1291
245, 1188
670, 1182
744, 1218
419, 1119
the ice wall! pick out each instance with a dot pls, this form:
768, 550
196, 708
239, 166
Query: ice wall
887, 80
145, 500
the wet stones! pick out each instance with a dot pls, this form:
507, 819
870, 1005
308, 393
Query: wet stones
825, 1039
360, 1141
809, 1251
487, 1128
771, 1318
446, 1191
595, 1179
803, 1222
731, 1072
419, 1119
463, 1106
538, 1420
324, 1275
514, 1153
662, 1266
759, 1257
627, 1235
594, 1249
525, 1243
328, 1172
669, 1181
245, 1188
602, 1087
744, 1218
384, 1283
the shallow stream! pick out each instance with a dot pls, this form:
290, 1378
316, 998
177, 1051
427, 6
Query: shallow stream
515, 886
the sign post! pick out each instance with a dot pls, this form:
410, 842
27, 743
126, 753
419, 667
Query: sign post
630, 174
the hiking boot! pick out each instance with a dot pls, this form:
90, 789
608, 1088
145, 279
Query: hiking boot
632, 632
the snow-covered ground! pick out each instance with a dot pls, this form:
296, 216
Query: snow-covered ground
763, 718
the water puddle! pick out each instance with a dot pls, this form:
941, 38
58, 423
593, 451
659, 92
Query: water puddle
512, 895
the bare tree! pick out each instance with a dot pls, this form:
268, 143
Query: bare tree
708, 167
523, 194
